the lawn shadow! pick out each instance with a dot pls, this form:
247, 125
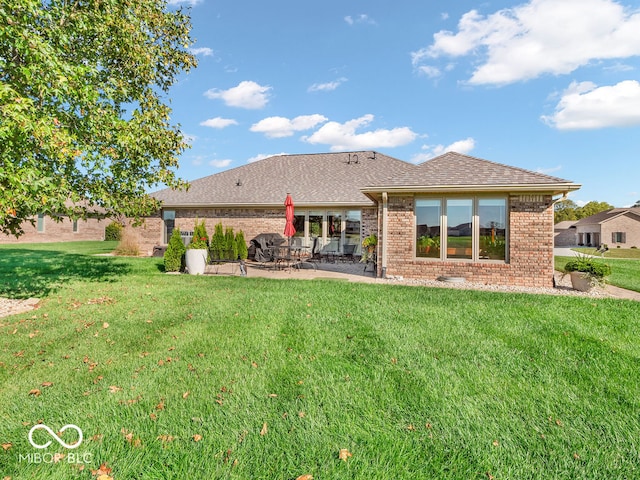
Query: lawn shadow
36, 273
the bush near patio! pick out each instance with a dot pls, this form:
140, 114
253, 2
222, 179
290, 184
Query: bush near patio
227, 377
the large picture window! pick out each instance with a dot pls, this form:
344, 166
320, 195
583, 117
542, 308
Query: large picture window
461, 228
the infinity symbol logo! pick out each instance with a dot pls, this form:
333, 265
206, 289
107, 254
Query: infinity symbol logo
55, 436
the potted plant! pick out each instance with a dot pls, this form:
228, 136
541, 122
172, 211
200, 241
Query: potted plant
197, 251
586, 272
369, 245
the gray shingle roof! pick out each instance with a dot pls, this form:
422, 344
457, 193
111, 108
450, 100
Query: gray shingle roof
312, 179
456, 169
341, 178
602, 217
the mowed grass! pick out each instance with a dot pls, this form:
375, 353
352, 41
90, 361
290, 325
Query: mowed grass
181, 377
625, 272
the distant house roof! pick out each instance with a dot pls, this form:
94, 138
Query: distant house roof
312, 179
350, 178
454, 171
565, 225
607, 215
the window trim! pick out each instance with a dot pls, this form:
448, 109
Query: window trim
475, 228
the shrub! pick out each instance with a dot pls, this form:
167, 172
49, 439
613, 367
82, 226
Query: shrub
200, 237
241, 246
231, 249
589, 266
128, 246
173, 256
218, 243
113, 231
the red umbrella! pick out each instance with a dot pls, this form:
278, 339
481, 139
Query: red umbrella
289, 229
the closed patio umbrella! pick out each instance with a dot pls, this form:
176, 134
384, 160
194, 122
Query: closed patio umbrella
289, 229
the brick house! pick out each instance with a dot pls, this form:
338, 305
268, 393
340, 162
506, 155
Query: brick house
61, 229
618, 227
454, 215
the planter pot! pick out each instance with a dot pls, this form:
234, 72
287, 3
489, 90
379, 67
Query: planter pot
581, 281
196, 261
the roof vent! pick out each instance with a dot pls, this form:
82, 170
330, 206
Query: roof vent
238, 183
374, 156
353, 159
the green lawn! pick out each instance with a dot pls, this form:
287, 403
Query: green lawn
625, 271
181, 377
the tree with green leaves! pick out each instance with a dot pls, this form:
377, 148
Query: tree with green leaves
83, 101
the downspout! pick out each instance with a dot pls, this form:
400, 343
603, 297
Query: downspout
385, 204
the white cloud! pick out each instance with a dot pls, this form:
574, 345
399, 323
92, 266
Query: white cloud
431, 151
262, 156
430, 71
362, 18
204, 51
220, 163
246, 94
585, 106
278, 127
538, 37
326, 87
218, 122
343, 136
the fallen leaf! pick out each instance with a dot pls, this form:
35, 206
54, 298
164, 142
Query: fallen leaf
105, 325
104, 477
114, 389
57, 457
197, 437
35, 392
47, 384
185, 394
160, 406
7, 446
305, 477
496, 443
153, 416
102, 470
411, 428
344, 454
166, 438
302, 414
263, 432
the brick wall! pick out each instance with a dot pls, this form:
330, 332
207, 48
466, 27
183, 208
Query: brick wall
251, 221
629, 224
530, 251
61, 231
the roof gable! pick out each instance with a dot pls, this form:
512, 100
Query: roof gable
607, 215
457, 169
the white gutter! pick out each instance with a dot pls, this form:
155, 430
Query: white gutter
527, 187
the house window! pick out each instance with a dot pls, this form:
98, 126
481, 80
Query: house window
74, 226
619, 237
40, 224
327, 230
169, 220
428, 225
475, 228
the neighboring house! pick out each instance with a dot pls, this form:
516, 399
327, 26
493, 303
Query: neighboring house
618, 227
564, 234
452, 216
62, 229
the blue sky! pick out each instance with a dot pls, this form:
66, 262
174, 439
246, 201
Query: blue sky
547, 85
